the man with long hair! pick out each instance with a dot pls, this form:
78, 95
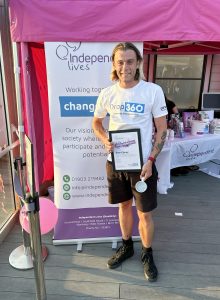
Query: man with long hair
130, 88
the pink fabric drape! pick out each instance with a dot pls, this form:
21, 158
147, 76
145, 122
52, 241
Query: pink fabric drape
41, 112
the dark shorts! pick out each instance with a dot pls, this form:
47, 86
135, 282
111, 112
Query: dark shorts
122, 188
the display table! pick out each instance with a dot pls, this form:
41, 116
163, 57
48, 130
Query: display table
186, 151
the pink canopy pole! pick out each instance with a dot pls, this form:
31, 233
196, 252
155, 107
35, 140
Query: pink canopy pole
29, 106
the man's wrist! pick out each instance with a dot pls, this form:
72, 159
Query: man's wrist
152, 159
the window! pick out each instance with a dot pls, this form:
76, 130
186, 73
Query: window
180, 77
7, 203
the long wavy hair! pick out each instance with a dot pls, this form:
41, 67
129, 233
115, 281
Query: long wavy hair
123, 47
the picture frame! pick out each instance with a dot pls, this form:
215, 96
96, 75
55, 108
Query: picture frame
127, 154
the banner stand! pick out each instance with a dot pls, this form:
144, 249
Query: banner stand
79, 243
74, 83
114, 245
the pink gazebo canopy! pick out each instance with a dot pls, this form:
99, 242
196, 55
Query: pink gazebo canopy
114, 20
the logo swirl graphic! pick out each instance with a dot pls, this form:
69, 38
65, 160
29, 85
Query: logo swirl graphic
62, 51
193, 149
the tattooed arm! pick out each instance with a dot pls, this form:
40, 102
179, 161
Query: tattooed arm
100, 132
161, 127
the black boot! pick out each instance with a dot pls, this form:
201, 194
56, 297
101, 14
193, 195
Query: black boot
150, 270
123, 253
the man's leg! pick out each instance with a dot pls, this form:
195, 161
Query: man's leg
126, 225
126, 219
146, 230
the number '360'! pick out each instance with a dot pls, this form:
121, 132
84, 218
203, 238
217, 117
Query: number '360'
134, 107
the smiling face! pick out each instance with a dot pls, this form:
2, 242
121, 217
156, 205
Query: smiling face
126, 64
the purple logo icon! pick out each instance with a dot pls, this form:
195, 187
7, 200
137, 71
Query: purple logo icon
63, 51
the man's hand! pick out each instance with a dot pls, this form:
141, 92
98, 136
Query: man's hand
100, 132
109, 146
146, 171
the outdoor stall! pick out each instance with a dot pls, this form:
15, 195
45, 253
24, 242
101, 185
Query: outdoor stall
39, 30
62, 49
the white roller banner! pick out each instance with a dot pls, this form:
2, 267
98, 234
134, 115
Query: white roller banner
76, 73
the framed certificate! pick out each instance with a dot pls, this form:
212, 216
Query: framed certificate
127, 153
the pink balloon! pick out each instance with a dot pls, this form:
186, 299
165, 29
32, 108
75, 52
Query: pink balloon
48, 216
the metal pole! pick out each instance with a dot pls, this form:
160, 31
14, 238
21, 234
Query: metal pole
20, 258
31, 201
25, 62
19, 109
33, 215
